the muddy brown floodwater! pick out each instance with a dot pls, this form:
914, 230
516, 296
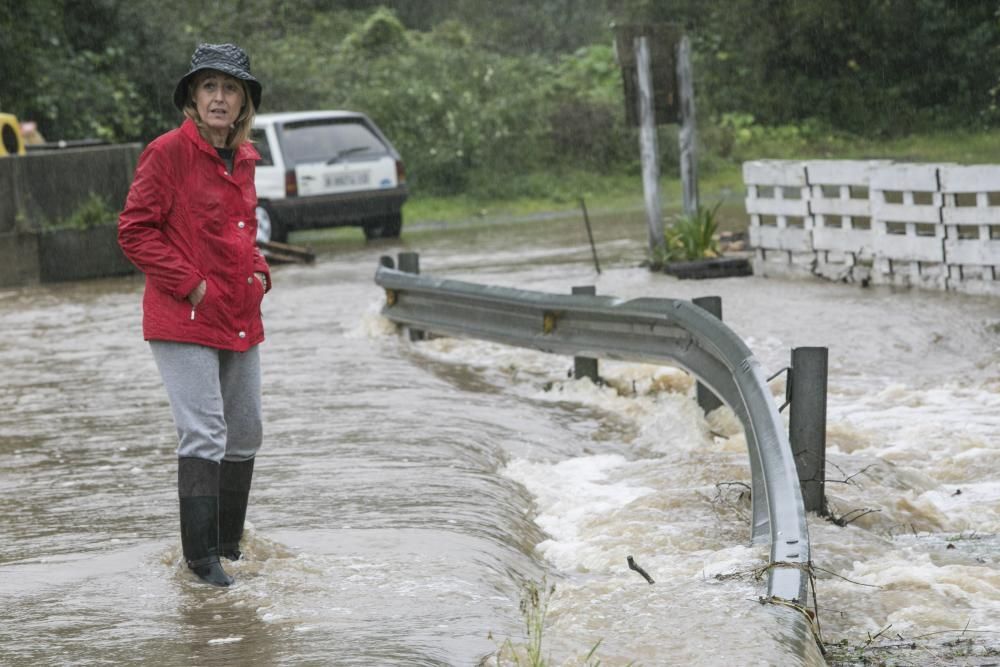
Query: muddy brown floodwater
408, 493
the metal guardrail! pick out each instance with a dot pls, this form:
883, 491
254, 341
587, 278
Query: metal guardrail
648, 330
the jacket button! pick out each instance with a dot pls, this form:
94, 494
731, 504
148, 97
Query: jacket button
241, 224
250, 280
243, 334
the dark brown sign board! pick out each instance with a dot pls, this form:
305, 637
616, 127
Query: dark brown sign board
662, 39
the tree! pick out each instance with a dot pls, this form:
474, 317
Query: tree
868, 66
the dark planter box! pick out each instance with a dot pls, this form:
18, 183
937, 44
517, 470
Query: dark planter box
719, 267
18, 259
78, 254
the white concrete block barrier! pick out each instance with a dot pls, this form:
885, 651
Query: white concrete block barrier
924, 225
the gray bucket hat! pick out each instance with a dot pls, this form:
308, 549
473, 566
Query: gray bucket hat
226, 58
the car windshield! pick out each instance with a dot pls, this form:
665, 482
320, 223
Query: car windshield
329, 140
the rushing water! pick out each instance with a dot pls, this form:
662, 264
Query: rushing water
408, 494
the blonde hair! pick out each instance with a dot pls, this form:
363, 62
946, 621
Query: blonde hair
239, 133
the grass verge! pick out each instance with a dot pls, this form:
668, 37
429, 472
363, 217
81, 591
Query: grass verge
522, 195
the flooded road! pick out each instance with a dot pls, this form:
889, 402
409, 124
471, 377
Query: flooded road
408, 494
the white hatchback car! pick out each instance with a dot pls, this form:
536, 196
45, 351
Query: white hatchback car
326, 169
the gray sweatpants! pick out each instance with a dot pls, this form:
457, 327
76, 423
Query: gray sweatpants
215, 399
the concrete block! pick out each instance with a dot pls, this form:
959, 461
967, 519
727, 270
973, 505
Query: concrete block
18, 259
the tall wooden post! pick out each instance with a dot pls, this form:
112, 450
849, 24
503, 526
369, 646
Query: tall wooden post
687, 134
647, 144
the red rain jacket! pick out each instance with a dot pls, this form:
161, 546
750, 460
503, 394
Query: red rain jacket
187, 219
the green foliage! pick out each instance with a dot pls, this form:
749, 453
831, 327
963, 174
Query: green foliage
90, 96
586, 122
872, 68
452, 34
690, 237
93, 211
380, 34
739, 137
478, 96
450, 110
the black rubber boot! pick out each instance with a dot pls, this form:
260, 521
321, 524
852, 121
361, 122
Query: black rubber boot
234, 490
198, 490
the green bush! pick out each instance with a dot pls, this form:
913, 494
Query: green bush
450, 110
93, 211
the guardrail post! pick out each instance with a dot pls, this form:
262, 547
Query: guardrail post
585, 367
707, 400
807, 423
410, 263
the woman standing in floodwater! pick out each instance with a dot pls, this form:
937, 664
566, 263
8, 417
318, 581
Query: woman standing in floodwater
189, 225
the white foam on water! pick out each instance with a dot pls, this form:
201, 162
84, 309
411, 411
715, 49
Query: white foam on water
662, 508
600, 510
925, 459
372, 324
573, 497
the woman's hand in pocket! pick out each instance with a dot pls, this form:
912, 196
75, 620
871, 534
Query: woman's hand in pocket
198, 293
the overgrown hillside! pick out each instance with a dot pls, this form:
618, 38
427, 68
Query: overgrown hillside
517, 99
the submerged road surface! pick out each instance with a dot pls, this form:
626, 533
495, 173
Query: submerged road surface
409, 495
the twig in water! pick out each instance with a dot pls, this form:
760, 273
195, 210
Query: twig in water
945, 632
839, 576
815, 610
632, 565
843, 520
847, 479
877, 635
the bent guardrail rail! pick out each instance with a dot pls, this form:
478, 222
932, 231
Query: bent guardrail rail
645, 329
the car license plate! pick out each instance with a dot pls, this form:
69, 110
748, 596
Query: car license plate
348, 179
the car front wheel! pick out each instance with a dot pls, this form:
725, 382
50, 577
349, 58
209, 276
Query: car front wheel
269, 227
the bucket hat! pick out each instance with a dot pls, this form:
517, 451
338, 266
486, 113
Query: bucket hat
227, 58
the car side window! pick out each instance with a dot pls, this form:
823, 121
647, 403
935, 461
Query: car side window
259, 139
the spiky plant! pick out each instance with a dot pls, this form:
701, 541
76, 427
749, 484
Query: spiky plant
689, 238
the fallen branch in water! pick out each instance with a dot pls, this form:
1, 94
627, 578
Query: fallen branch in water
847, 478
840, 576
632, 565
843, 519
877, 635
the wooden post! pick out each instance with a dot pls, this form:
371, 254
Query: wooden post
590, 235
648, 150
585, 367
687, 135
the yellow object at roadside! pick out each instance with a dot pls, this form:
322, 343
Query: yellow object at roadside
11, 142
